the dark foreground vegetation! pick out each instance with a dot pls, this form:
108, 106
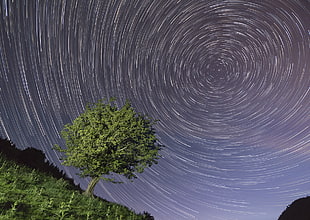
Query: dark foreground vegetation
298, 210
31, 188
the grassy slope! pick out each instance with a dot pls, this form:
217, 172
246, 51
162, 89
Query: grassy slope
29, 194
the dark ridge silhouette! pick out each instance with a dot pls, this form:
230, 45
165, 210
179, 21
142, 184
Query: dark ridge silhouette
33, 158
298, 210
148, 216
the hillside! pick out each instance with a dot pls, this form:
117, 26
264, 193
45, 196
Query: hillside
27, 193
299, 209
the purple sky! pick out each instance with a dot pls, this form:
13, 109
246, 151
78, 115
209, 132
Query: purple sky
229, 81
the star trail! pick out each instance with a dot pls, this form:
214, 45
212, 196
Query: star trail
229, 81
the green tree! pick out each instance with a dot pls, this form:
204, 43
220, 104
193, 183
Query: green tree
106, 139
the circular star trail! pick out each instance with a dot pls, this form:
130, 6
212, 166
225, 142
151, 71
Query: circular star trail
228, 80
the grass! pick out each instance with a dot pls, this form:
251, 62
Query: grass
29, 194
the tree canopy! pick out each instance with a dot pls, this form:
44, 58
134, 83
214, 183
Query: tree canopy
106, 139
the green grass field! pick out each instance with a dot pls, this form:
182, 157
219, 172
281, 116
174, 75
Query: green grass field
29, 194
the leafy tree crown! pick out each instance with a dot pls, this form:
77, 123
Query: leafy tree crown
105, 140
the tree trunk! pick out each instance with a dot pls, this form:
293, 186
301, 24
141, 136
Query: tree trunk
91, 186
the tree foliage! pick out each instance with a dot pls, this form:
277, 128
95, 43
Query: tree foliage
106, 139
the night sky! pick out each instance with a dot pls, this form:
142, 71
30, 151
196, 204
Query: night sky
229, 81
